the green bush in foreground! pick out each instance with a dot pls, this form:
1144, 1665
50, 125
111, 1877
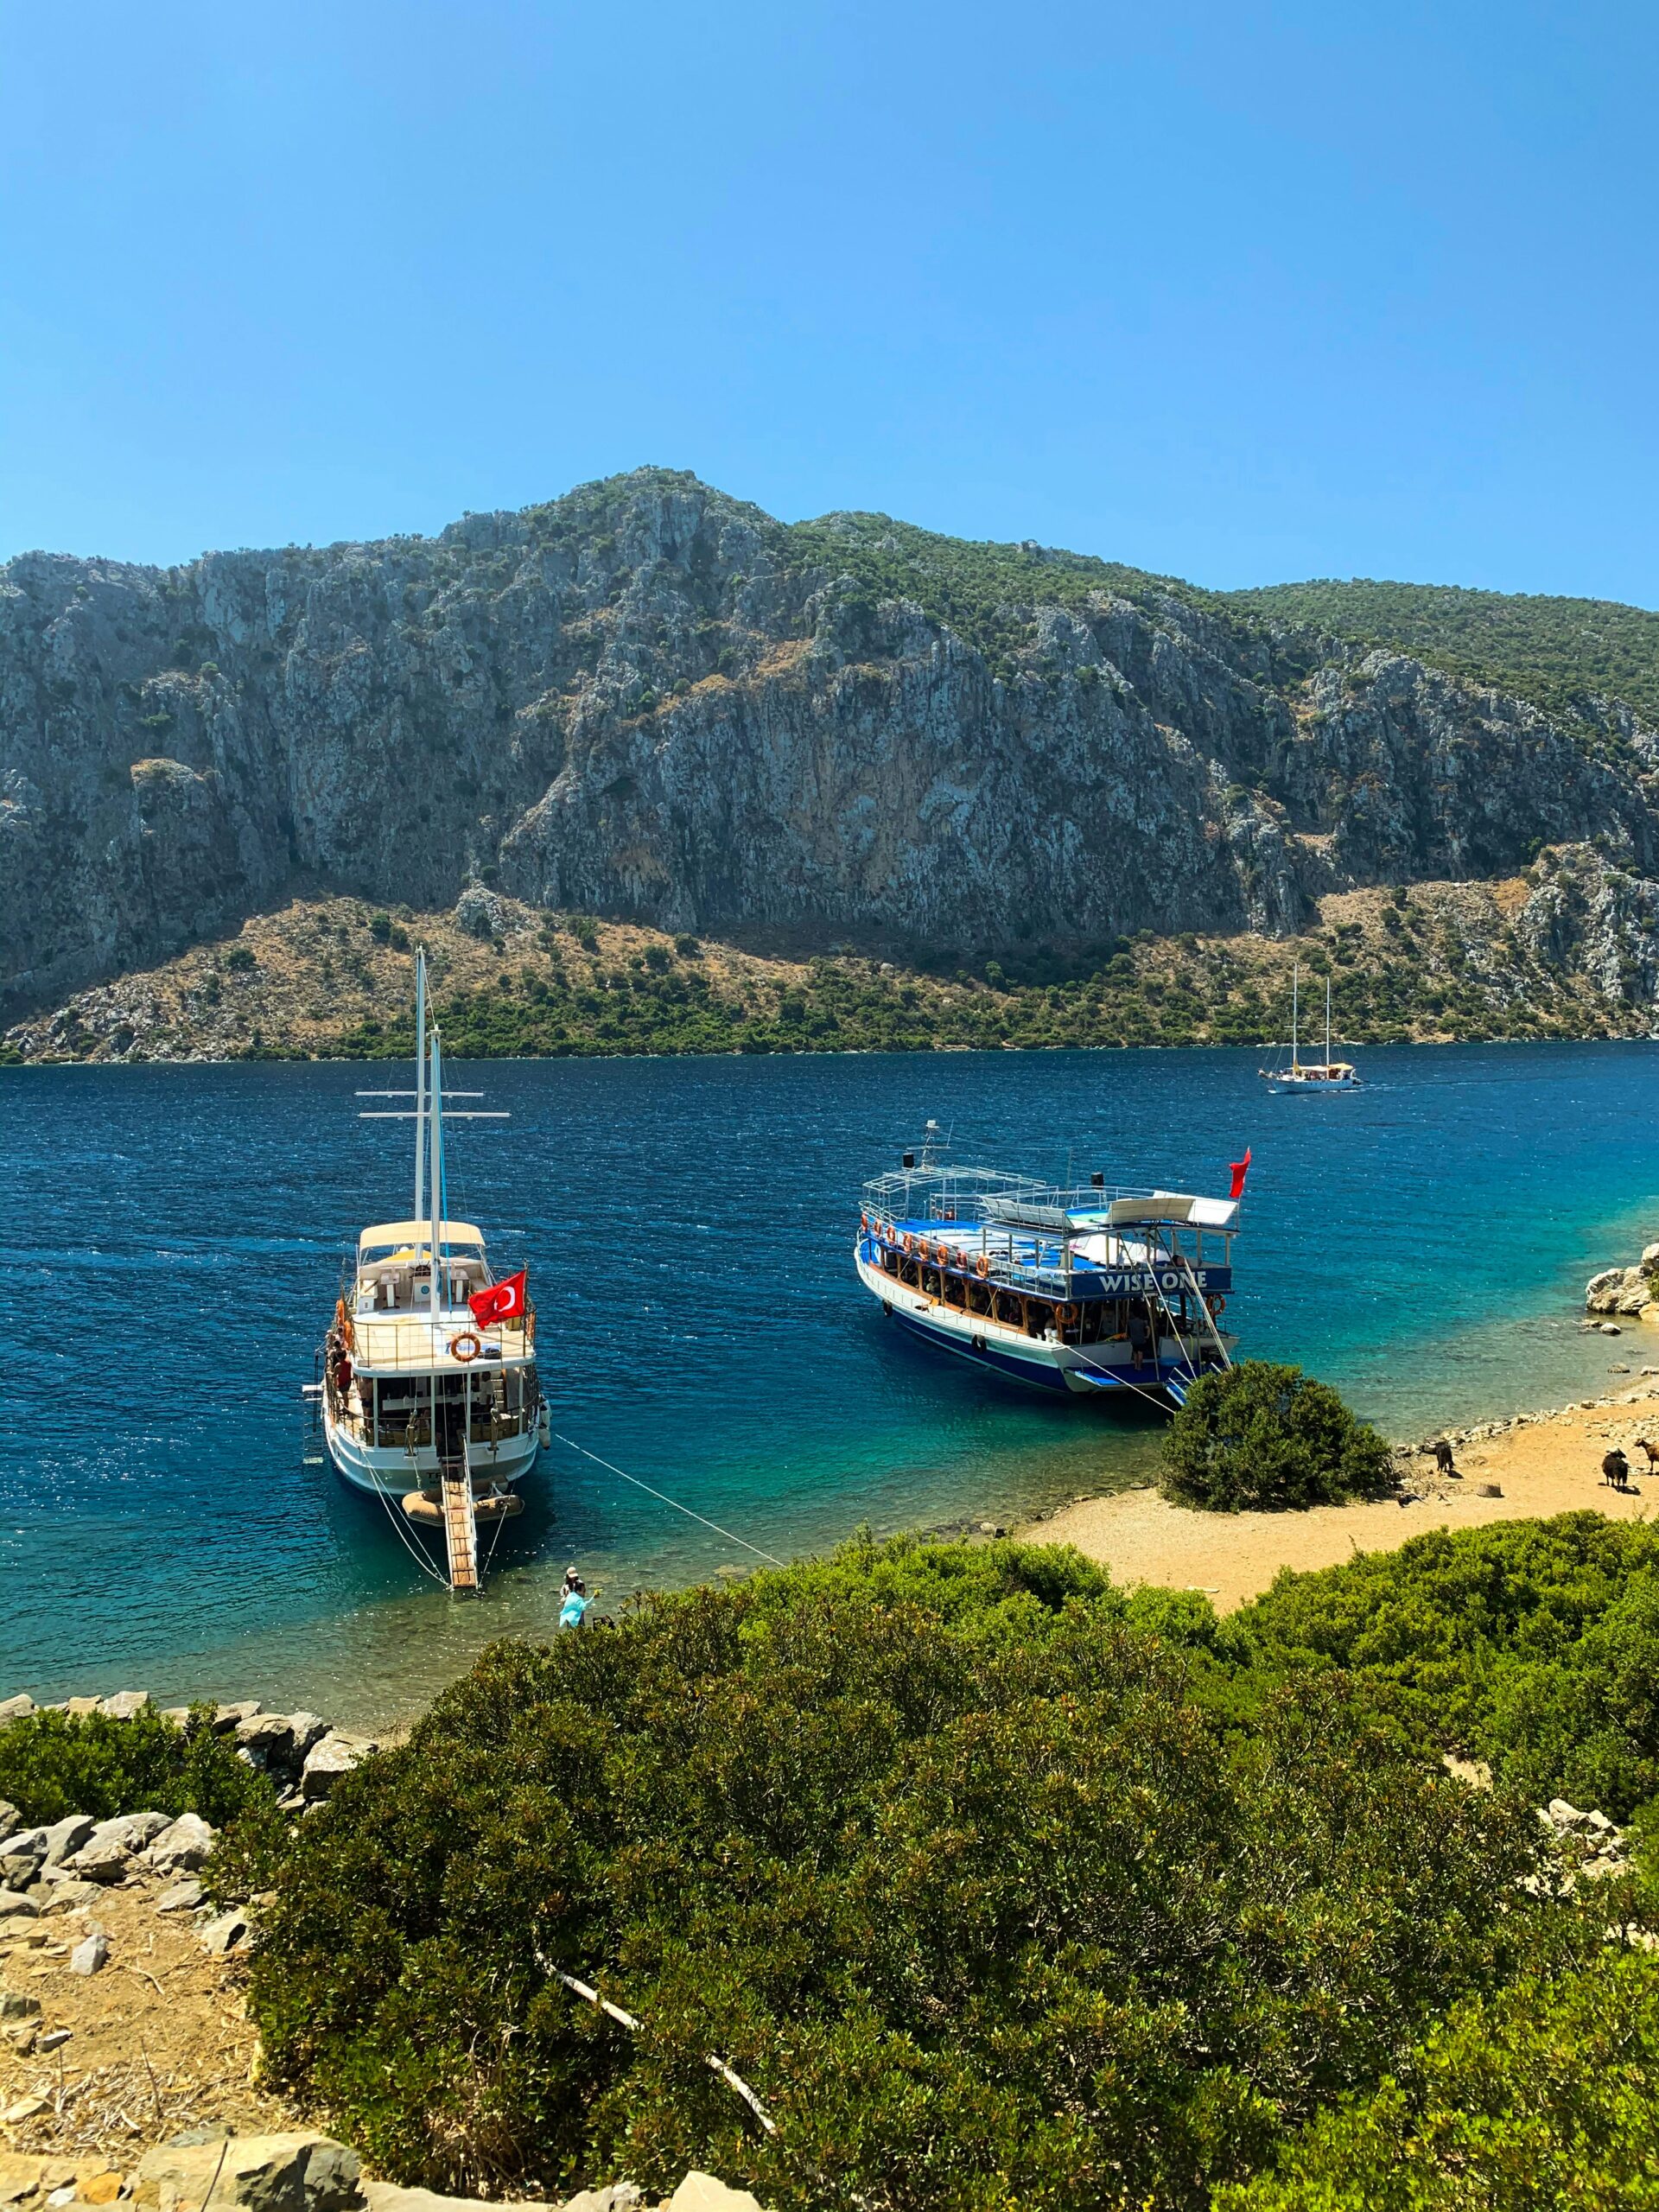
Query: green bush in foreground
939, 1848
1543, 2096
1259, 1436
1533, 1645
53, 1765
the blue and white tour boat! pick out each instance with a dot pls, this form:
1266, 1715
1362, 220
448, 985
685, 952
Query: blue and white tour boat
1096, 1291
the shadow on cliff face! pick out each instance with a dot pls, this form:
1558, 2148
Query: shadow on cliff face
646, 699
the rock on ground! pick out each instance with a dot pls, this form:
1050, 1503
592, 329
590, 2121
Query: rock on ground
334, 1756
296, 2173
182, 1847
223, 1934
91, 1955
124, 1704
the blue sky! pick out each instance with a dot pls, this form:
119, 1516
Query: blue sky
1242, 292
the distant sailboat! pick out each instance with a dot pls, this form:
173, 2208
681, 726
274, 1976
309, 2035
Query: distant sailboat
1306, 1075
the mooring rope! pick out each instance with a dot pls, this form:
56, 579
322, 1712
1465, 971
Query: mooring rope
730, 1536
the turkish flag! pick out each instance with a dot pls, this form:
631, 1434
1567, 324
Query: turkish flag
1241, 1168
503, 1301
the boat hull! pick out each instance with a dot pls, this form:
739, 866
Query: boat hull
1067, 1370
394, 1473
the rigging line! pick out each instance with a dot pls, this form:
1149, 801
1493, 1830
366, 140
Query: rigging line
1138, 1389
407, 1543
403, 1537
667, 1500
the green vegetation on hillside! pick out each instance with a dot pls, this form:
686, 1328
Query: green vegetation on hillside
333, 979
985, 592
1414, 980
996, 1885
1557, 652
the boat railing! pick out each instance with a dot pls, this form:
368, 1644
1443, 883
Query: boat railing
386, 1343
972, 1193
1023, 1250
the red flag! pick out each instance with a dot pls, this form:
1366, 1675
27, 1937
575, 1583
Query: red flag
1241, 1168
503, 1301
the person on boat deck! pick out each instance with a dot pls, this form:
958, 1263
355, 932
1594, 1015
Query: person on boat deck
1139, 1335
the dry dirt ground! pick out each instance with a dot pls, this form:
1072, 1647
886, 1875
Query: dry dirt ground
1540, 1465
158, 2039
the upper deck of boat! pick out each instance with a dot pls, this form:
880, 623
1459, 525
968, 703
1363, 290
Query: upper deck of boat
392, 1327
391, 1343
1015, 1230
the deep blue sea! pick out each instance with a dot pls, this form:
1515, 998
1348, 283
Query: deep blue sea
174, 1236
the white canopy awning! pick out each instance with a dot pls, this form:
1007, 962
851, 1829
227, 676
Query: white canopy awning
419, 1232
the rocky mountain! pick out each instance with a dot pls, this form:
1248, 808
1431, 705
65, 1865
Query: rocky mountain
648, 701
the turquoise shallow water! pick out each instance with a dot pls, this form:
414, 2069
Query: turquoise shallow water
176, 1237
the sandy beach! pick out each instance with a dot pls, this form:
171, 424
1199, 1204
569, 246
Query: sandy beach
1538, 1464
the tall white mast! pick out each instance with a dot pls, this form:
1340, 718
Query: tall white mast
435, 1099
420, 1085
1296, 978
1327, 1022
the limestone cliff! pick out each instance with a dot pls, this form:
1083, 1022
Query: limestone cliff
651, 701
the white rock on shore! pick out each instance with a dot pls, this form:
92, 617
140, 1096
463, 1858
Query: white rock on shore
1626, 1290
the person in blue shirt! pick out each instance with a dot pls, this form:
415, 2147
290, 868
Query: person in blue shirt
575, 1601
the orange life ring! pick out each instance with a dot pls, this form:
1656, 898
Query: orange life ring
982, 1266
1065, 1315
890, 1235
471, 1340
941, 1255
1217, 1305
864, 1223
910, 1242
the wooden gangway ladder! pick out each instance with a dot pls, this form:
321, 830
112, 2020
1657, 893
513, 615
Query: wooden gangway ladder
460, 1525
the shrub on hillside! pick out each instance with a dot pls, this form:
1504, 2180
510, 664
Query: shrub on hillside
1258, 1434
1544, 2095
1533, 1645
935, 1847
55, 1763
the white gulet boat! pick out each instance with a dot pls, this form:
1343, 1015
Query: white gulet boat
1304, 1076
429, 1398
